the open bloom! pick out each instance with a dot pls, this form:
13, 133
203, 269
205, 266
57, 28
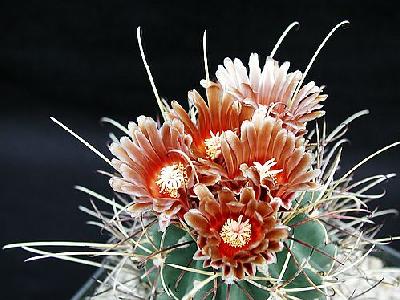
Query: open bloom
221, 112
274, 87
271, 157
154, 168
235, 235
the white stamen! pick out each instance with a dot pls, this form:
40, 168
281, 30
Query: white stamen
236, 233
171, 179
184, 155
213, 146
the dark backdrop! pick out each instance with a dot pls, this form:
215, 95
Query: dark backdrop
79, 61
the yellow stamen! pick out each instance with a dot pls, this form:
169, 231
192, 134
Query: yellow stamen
236, 233
213, 146
171, 179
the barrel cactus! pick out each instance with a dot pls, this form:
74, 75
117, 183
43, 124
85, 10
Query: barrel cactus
298, 271
237, 198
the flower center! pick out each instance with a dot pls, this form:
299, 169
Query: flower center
236, 233
213, 146
171, 179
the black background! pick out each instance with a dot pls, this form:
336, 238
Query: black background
79, 61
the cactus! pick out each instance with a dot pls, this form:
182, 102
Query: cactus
235, 199
181, 275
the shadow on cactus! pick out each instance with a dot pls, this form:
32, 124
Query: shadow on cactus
233, 199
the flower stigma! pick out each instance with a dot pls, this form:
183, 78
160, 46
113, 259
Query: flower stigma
266, 171
236, 233
171, 179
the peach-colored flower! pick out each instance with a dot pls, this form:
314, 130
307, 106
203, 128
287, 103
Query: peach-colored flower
154, 168
235, 235
221, 112
274, 87
270, 156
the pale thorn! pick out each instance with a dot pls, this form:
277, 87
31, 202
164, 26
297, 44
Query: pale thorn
146, 65
348, 173
115, 124
205, 56
230, 279
87, 144
284, 34
314, 57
